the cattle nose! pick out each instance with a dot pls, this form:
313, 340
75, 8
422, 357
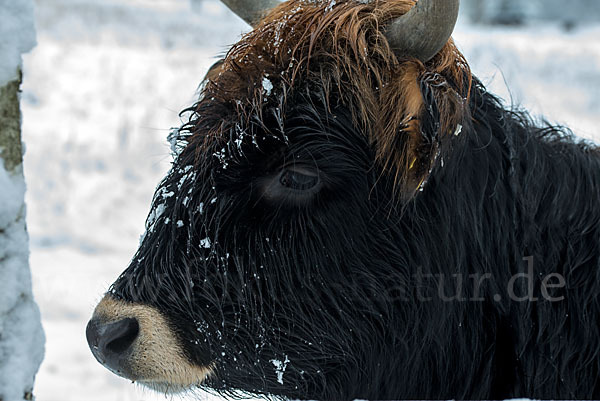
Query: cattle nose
111, 342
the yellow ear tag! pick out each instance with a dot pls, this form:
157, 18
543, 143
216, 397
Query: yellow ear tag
412, 164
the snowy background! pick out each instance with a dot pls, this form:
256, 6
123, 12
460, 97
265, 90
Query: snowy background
102, 89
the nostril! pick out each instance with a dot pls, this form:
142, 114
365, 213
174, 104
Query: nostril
109, 342
124, 335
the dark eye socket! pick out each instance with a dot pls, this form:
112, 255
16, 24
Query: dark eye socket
299, 179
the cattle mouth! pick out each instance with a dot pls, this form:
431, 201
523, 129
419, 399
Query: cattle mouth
136, 342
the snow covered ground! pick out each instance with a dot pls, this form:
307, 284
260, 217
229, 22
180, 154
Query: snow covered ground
103, 87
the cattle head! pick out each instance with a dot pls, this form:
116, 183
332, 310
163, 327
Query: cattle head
289, 210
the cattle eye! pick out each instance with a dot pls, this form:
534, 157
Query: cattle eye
299, 179
293, 184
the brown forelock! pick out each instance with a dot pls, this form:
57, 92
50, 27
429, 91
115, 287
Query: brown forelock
342, 47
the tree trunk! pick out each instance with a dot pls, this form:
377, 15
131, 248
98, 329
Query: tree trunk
21, 334
10, 125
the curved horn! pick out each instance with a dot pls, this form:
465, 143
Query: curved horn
250, 11
424, 30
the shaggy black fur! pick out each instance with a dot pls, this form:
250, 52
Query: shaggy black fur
330, 296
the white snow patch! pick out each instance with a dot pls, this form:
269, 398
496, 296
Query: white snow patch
155, 215
173, 139
330, 5
458, 130
179, 223
267, 86
17, 36
280, 368
186, 176
21, 335
205, 243
164, 193
222, 157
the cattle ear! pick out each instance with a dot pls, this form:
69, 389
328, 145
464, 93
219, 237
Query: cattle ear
440, 119
425, 111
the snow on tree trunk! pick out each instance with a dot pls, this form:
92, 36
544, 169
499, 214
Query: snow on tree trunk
21, 334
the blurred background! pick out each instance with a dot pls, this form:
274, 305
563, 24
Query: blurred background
107, 81
570, 14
